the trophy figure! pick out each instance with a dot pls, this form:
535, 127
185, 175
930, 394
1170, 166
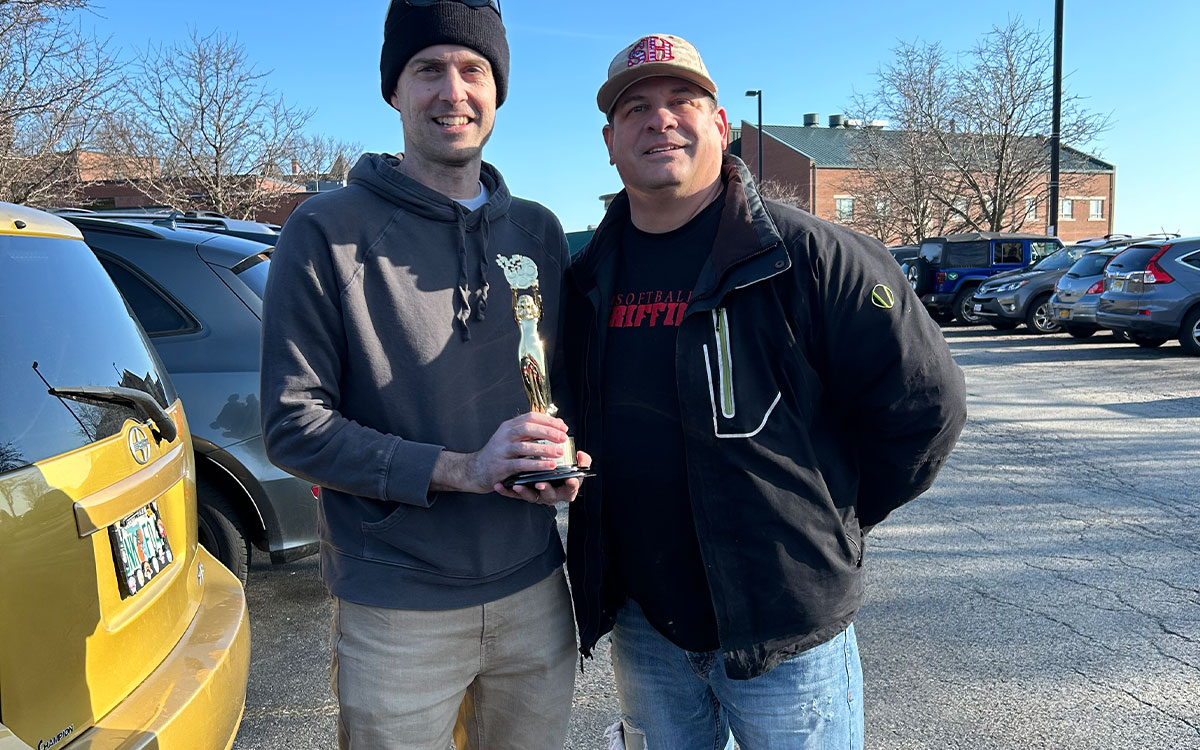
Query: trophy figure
522, 275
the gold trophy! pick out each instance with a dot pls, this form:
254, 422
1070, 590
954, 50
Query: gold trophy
522, 275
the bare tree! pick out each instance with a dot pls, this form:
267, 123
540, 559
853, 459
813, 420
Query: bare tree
784, 192
215, 136
317, 158
56, 85
967, 144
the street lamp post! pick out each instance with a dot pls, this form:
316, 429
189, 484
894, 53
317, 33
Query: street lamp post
758, 93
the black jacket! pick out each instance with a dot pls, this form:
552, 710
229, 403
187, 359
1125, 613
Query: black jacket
816, 395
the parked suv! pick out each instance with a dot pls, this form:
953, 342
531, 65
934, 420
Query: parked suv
1025, 295
199, 297
949, 269
116, 629
207, 221
1152, 293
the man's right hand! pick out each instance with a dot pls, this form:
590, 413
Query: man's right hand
511, 450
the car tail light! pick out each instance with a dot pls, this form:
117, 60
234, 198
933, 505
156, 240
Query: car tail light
941, 277
316, 492
1096, 288
1154, 273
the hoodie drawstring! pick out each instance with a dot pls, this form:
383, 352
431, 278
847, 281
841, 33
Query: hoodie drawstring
463, 314
481, 307
464, 294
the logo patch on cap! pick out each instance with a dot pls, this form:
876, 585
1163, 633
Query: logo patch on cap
649, 50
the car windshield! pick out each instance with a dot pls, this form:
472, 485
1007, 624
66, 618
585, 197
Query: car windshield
1056, 262
1091, 264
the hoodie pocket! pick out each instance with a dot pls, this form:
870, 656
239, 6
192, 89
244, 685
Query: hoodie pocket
461, 538
736, 413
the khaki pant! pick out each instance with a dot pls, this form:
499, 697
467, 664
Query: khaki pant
496, 676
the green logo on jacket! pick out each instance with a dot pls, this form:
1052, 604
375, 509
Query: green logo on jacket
881, 296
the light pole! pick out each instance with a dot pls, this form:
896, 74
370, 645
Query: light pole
758, 93
1055, 132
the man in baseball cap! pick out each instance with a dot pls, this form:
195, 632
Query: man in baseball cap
760, 388
389, 382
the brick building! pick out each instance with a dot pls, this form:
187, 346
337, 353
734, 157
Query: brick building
107, 182
818, 162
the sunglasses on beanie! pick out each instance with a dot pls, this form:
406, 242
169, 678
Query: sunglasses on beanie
493, 4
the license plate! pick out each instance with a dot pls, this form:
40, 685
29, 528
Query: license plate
140, 549
1118, 285
978, 307
1064, 314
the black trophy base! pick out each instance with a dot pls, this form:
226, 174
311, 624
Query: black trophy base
554, 477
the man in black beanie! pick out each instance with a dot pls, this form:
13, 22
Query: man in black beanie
387, 381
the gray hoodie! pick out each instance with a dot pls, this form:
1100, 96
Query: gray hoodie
380, 349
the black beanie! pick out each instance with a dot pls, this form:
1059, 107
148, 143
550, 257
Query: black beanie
410, 29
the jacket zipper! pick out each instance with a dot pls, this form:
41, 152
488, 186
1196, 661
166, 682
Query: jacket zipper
587, 406
724, 361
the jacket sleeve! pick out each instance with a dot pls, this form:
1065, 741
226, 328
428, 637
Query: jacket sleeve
304, 353
900, 394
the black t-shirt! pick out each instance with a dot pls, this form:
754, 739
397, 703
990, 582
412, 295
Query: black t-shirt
647, 514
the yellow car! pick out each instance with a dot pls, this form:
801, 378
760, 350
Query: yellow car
116, 629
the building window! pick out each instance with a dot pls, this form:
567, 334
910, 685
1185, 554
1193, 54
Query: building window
1030, 209
845, 210
883, 208
961, 205
1096, 208
1067, 209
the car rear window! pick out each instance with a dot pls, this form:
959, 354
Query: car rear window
932, 252
1091, 264
255, 275
1134, 258
63, 323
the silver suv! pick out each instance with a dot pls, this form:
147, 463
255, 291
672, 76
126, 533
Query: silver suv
1152, 293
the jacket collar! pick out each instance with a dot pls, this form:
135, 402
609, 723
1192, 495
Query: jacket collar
745, 231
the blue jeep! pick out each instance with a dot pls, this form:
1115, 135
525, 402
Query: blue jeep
949, 269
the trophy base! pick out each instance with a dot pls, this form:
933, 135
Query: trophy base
554, 476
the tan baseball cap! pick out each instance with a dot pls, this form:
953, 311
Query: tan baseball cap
653, 55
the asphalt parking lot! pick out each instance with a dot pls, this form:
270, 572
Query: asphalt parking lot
1044, 593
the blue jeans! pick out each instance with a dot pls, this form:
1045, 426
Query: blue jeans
673, 699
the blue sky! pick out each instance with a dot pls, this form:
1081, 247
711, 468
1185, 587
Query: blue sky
1128, 59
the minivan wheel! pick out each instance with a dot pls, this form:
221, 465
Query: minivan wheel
1038, 319
964, 308
220, 531
1189, 334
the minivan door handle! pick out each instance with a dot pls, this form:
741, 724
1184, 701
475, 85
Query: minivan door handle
102, 509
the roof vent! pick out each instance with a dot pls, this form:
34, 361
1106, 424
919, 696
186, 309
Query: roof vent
877, 124
812, 120
837, 121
